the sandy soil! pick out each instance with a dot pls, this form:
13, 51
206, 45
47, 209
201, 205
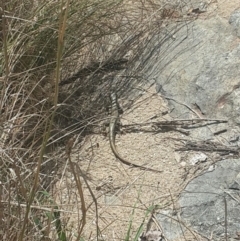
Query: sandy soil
119, 189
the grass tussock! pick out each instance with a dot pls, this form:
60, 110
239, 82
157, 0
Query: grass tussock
58, 63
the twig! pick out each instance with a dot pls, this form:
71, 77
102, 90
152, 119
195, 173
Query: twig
177, 122
180, 103
225, 223
37, 207
94, 200
79, 186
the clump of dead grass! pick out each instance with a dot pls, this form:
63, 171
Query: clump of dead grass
44, 42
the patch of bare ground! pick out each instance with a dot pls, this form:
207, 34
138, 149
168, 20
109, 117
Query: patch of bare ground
118, 188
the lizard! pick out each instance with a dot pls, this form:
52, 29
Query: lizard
112, 128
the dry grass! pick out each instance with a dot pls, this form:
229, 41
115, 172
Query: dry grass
83, 44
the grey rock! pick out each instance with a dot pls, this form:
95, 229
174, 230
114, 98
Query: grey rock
236, 183
198, 158
203, 201
154, 235
170, 224
199, 68
234, 20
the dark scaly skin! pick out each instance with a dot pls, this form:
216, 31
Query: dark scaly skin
112, 126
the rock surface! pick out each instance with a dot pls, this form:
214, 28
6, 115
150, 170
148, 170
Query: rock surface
196, 68
235, 21
198, 71
203, 201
